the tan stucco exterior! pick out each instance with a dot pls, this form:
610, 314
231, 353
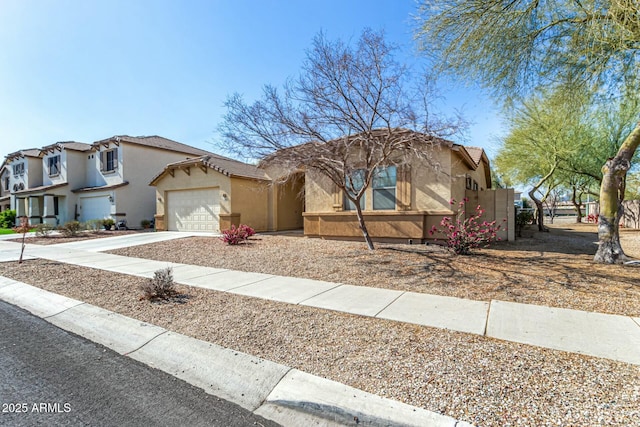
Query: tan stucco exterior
424, 188
241, 200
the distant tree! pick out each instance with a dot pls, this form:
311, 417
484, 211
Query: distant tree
539, 138
633, 186
347, 115
518, 46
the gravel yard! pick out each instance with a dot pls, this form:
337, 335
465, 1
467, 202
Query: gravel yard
553, 269
476, 379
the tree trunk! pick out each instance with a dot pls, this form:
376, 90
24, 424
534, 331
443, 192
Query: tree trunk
577, 204
538, 203
363, 227
614, 174
539, 211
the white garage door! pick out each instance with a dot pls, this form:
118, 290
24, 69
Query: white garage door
193, 210
98, 207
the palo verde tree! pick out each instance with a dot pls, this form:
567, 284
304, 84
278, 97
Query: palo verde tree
350, 113
540, 137
517, 46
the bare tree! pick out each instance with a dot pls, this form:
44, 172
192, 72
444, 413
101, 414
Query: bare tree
352, 111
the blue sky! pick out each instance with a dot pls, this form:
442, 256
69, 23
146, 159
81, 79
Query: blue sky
87, 70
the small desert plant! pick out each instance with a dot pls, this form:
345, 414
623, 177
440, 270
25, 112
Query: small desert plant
71, 228
23, 228
236, 235
94, 224
145, 223
44, 230
161, 287
7, 218
108, 223
462, 234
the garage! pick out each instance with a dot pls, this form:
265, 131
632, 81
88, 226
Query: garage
96, 207
193, 210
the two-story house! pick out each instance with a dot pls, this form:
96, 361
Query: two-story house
23, 170
107, 179
118, 175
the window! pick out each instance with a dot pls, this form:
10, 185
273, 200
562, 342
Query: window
18, 169
109, 160
6, 183
54, 165
384, 188
357, 178
475, 185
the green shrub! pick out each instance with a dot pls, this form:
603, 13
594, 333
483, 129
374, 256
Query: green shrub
161, 287
524, 217
93, 224
71, 228
44, 230
7, 218
145, 223
108, 223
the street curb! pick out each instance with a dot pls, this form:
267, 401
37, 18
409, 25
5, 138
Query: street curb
274, 391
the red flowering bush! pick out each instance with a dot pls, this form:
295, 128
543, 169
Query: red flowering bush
462, 234
236, 235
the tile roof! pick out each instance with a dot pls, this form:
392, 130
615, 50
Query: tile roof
29, 152
67, 145
224, 165
475, 153
156, 142
77, 146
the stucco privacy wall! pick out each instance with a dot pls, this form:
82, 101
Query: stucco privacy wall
498, 205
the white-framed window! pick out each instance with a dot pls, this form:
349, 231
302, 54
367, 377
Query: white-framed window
353, 186
384, 188
6, 183
18, 169
54, 165
109, 160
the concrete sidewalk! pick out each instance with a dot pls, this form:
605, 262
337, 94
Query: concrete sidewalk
281, 393
595, 334
277, 392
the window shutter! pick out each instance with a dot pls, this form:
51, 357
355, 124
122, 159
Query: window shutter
115, 159
102, 160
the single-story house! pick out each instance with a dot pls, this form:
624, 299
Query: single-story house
211, 193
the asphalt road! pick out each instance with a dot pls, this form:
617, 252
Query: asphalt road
54, 378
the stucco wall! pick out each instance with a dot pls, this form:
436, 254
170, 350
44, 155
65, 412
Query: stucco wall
431, 182
290, 204
139, 165
430, 186
250, 199
319, 194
